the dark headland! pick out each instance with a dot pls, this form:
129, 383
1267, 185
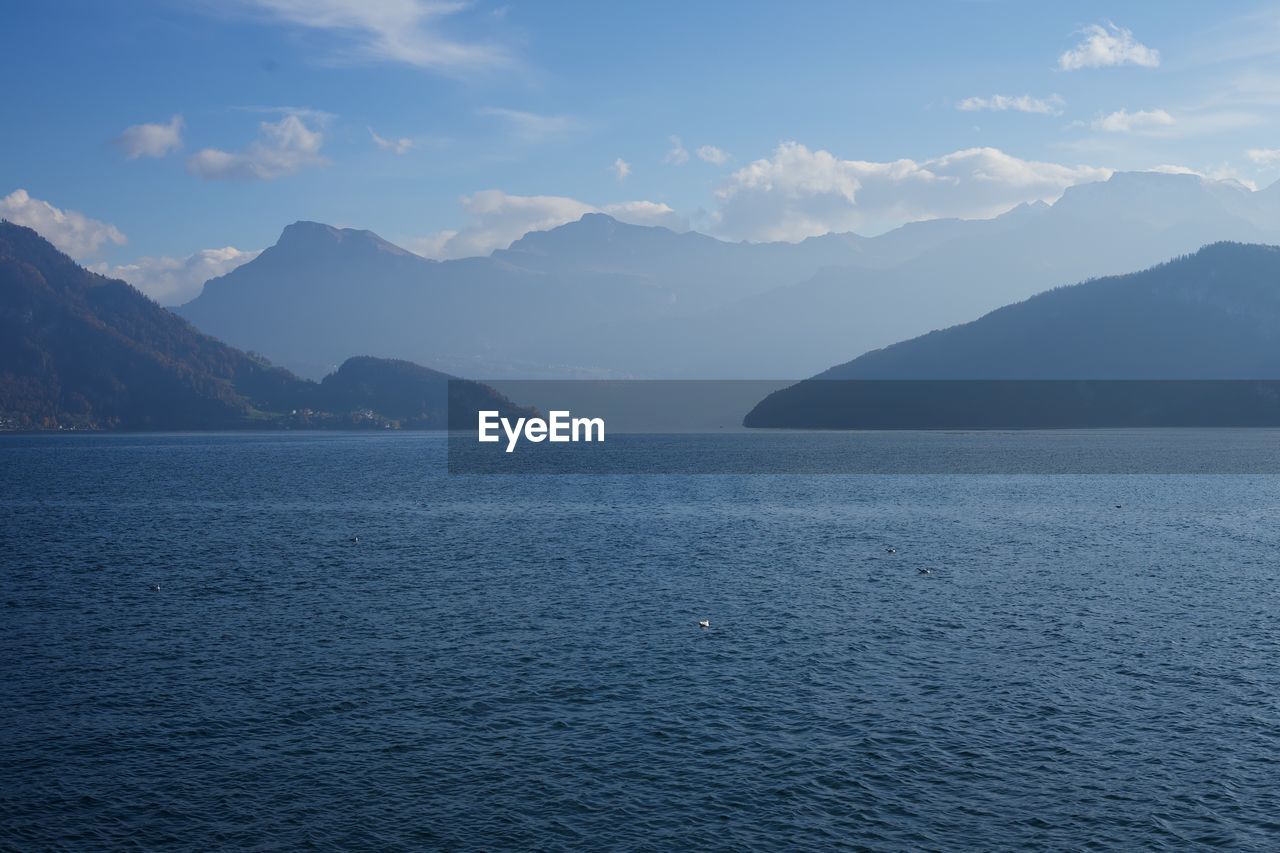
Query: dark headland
1194, 342
82, 351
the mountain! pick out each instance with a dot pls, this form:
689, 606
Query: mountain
599, 298
700, 270
78, 350
321, 292
591, 298
1130, 222
1212, 315
408, 394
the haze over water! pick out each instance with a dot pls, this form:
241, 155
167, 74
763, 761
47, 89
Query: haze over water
508, 662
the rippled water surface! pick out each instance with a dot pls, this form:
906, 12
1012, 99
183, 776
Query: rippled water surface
515, 662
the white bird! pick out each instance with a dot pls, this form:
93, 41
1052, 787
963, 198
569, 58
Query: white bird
704, 623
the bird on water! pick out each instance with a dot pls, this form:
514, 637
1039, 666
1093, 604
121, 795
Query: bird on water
891, 550
704, 623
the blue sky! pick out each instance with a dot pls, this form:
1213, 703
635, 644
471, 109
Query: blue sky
144, 133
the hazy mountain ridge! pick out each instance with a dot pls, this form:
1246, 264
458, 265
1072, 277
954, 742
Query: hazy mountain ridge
598, 297
311, 299
1214, 314
1047, 361
1094, 230
78, 350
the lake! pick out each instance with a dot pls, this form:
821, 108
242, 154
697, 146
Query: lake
515, 662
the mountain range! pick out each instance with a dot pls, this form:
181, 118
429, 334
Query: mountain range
1211, 315
599, 298
1214, 314
82, 351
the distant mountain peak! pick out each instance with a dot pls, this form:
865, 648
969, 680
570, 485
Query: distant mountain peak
1166, 179
82, 351
310, 236
1027, 208
593, 225
1152, 177
590, 228
1210, 314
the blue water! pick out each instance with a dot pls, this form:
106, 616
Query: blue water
514, 662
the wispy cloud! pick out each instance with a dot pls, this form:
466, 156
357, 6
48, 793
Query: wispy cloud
1219, 173
620, 168
1051, 105
1251, 35
799, 193
173, 281
678, 155
403, 145
531, 127
74, 233
713, 155
284, 147
1123, 121
498, 219
1268, 158
151, 140
1176, 124
1107, 45
309, 114
407, 32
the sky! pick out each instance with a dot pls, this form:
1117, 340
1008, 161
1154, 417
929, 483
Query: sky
166, 142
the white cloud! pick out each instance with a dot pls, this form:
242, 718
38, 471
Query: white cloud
403, 145
286, 146
620, 168
1105, 46
646, 213
173, 281
531, 127
1140, 121
1174, 169
400, 31
1051, 105
678, 155
800, 193
307, 114
1166, 125
499, 219
72, 232
1219, 173
1265, 157
151, 140
713, 155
